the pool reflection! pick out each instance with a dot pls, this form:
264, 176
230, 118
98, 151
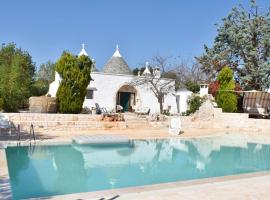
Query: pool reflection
51, 170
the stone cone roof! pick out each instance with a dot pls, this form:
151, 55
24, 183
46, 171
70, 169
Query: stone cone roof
94, 69
116, 64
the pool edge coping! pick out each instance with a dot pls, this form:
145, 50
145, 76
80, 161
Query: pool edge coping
66, 141
5, 186
157, 187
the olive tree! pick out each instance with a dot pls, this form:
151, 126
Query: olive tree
158, 85
243, 43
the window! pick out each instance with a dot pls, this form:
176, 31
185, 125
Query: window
90, 94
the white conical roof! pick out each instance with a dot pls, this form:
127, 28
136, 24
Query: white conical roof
116, 64
83, 52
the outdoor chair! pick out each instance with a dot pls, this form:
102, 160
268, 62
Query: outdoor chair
100, 110
107, 110
142, 111
119, 108
175, 126
103, 110
4, 123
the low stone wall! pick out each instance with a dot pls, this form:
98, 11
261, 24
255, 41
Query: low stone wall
238, 120
207, 117
210, 117
61, 122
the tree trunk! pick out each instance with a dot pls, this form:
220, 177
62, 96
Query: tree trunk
160, 106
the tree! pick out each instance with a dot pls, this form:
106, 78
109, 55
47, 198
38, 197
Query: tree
75, 73
192, 86
243, 43
46, 72
162, 62
43, 78
155, 83
17, 75
40, 87
226, 98
189, 76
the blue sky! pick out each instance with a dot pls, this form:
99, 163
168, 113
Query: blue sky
142, 28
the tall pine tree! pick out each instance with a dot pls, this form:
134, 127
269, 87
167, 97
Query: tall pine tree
75, 74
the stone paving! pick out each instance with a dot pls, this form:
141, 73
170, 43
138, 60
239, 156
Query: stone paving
236, 187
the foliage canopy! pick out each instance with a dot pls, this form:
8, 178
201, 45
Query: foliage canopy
17, 76
243, 43
44, 76
226, 98
75, 73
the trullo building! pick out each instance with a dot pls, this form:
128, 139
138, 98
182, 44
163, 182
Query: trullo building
111, 87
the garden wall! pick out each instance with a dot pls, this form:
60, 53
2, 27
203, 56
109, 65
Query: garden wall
61, 122
207, 117
210, 117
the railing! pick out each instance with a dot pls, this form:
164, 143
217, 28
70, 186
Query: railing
19, 132
32, 132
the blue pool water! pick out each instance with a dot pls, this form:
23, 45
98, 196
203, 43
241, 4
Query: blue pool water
52, 170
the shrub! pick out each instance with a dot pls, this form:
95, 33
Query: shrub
166, 112
226, 98
1, 104
192, 86
195, 103
213, 88
227, 101
40, 87
75, 73
86, 110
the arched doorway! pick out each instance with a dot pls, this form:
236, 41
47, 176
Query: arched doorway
126, 97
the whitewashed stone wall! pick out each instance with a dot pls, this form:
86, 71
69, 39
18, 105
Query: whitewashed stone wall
183, 96
106, 87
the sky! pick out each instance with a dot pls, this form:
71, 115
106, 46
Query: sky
141, 28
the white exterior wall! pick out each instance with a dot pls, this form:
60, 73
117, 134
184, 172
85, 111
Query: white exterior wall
54, 85
184, 95
106, 87
203, 90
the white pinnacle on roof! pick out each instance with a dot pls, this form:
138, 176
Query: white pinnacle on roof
146, 71
83, 52
117, 53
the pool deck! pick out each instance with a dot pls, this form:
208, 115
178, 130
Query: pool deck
245, 186
5, 189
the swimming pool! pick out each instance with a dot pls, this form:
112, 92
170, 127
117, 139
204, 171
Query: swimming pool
53, 170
